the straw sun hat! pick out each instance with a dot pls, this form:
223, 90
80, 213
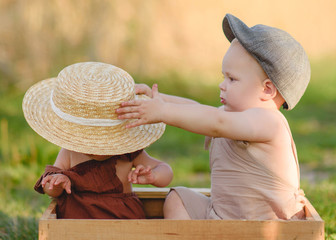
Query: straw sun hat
76, 110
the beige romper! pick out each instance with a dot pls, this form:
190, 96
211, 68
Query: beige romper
243, 188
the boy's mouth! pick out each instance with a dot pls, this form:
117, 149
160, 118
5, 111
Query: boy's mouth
223, 101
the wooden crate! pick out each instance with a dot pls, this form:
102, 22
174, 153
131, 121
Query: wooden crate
155, 228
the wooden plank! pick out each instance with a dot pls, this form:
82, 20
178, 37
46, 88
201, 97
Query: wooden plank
179, 229
311, 213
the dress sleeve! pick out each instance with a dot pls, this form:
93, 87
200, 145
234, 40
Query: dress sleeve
49, 170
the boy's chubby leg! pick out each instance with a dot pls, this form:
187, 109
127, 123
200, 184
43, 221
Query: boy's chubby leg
173, 207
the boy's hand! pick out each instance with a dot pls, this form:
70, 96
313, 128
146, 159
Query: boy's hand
143, 89
145, 110
141, 175
57, 181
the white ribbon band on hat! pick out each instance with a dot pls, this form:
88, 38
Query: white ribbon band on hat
83, 121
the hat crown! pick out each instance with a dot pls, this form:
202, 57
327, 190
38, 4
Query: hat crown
92, 90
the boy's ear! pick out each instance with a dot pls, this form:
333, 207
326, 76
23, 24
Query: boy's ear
269, 90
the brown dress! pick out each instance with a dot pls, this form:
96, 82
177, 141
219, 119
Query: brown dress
96, 192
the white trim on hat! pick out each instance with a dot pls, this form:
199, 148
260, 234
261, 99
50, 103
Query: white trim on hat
83, 121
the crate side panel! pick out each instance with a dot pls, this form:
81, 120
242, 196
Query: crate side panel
180, 229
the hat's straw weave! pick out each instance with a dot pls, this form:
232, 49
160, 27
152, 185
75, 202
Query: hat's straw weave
76, 110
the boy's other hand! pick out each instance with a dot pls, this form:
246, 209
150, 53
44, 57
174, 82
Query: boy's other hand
143, 89
145, 110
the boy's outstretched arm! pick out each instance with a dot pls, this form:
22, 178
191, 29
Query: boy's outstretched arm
196, 118
248, 125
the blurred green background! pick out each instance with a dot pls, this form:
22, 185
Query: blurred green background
177, 44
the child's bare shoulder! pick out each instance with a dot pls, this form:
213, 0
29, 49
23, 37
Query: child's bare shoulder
266, 115
267, 123
63, 159
67, 159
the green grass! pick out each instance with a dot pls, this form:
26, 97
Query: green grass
23, 154
322, 196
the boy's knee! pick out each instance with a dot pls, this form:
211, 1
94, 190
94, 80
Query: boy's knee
173, 207
173, 198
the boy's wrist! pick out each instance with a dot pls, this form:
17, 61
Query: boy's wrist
163, 110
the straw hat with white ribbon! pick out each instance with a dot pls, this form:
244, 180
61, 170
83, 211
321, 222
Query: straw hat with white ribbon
76, 110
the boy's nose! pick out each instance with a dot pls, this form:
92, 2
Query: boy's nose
222, 86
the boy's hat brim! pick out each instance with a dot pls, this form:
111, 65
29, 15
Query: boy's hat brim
279, 54
98, 140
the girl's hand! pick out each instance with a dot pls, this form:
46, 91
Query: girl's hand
143, 89
141, 175
146, 111
57, 181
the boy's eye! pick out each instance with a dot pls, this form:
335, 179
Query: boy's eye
230, 79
